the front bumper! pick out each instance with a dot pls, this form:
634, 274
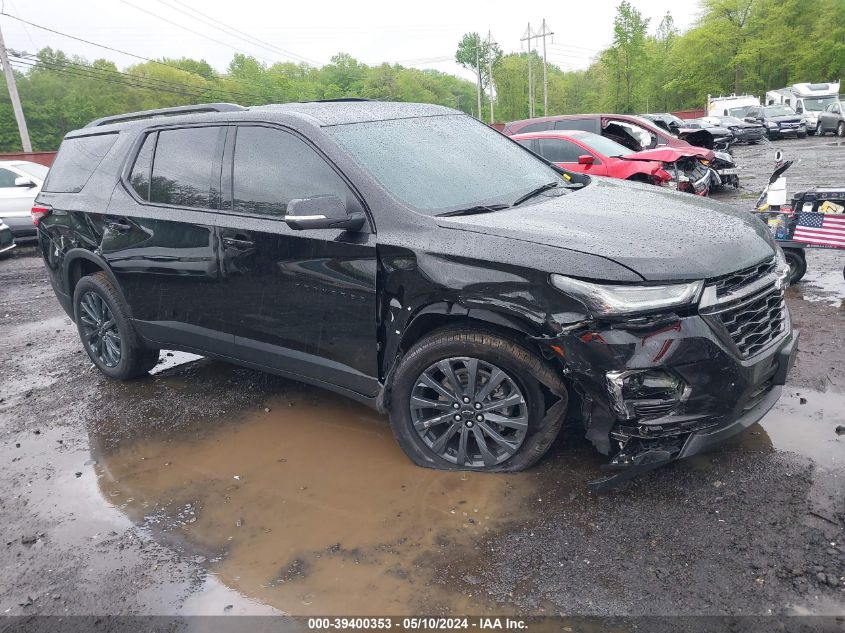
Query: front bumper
701, 441
21, 225
724, 393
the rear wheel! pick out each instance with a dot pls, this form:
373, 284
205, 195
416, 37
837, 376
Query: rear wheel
106, 332
469, 400
797, 264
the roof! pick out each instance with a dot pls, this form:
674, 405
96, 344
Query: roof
343, 112
554, 133
321, 113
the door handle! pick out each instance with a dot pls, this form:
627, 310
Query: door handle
237, 243
119, 227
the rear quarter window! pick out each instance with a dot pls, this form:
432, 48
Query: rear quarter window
77, 160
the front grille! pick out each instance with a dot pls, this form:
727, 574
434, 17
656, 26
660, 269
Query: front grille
756, 322
747, 308
733, 282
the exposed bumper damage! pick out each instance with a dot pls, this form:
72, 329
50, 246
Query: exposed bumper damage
657, 389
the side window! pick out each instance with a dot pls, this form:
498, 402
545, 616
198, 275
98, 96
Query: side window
526, 143
272, 167
76, 162
140, 176
540, 126
587, 125
186, 167
559, 151
7, 178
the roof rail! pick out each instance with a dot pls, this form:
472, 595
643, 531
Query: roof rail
147, 114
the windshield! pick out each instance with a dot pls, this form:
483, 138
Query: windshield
33, 169
740, 112
603, 145
778, 110
442, 163
817, 104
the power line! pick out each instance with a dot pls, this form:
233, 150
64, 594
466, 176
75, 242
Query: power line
29, 65
111, 48
226, 27
148, 82
190, 30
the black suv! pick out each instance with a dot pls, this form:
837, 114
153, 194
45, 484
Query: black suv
414, 259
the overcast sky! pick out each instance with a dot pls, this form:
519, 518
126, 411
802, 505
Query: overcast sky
420, 34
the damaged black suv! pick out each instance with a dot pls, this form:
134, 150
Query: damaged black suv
414, 259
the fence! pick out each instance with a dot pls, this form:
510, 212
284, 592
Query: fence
42, 158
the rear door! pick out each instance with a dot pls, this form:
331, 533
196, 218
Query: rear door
159, 238
305, 300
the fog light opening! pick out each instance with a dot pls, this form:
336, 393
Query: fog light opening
645, 394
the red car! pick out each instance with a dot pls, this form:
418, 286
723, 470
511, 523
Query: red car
589, 153
633, 132
595, 155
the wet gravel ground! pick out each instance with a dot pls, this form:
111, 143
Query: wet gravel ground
195, 491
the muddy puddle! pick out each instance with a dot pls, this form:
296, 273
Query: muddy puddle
308, 504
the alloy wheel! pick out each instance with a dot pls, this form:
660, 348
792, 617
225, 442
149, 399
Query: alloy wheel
469, 412
99, 329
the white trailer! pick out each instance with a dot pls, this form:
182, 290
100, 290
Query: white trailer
732, 105
806, 99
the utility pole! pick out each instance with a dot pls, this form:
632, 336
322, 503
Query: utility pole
13, 95
478, 75
543, 34
527, 37
490, 73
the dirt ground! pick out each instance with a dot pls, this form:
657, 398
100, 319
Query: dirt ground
211, 489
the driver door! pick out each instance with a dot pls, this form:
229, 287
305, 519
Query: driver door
301, 302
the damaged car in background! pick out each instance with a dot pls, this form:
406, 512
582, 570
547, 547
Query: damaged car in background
695, 174
416, 260
588, 153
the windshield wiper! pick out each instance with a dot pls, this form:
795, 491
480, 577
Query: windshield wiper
479, 208
536, 192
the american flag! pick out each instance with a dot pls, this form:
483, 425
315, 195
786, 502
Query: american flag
823, 229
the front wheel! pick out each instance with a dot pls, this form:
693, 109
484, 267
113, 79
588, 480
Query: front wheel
797, 264
471, 400
106, 332
840, 129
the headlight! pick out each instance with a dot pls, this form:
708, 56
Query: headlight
602, 300
771, 124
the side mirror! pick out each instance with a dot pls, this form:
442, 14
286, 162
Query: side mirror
585, 159
23, 181
321, 212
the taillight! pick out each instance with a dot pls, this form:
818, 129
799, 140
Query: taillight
37, 212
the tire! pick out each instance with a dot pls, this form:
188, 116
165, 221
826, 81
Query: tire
105, 330
797, 264
528, 430
840, 129
820, 130
802, 135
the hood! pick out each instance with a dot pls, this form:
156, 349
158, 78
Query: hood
668, 154
661, 235
785, 118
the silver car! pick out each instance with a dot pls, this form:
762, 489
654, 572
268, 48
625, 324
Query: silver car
833, 119
20, 182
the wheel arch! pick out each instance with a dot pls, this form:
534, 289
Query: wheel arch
449, 315
79, 263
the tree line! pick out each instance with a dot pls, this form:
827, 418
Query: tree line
742, 46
